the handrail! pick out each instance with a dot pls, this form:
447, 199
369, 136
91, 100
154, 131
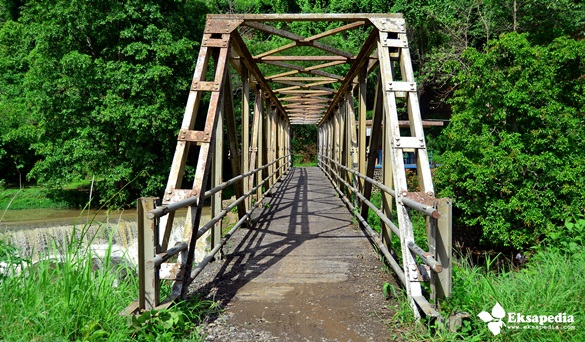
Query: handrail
426, 257
378, 212
163, 210
209, 256
371, 233
227, 209
425, 209
169, 253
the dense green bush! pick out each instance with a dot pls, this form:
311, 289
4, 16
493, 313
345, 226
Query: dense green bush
513, 155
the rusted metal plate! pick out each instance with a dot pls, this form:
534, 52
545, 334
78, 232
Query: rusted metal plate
175, 195
389, 24
408, 142
399, 43
401, 86
227, 25
422, 197
215, 42
204, 86
196, 136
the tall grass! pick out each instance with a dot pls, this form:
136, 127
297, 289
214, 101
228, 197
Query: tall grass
552, 282
66, 297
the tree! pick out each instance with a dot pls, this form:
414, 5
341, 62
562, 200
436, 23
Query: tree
513, 156
16, 122
106, 85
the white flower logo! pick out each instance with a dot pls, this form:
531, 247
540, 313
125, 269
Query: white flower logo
495, 325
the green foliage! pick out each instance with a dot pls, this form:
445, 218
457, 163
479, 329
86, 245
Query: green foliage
569, 240
104, 86
170, 324
478, 289
304, 144
513, 153
65, 298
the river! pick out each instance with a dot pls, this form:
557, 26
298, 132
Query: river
38, 231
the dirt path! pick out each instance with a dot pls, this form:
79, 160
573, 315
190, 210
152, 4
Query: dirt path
305, 272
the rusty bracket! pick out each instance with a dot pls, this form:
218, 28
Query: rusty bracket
215, 42
397, 43
426, 198
204, 86
401, 86
221, 26
424, 273
389, 24
196, 136
176, 195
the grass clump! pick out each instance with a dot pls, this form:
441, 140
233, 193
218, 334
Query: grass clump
67, 298
551, 283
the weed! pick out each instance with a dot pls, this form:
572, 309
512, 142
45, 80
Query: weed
551, 283
63, 297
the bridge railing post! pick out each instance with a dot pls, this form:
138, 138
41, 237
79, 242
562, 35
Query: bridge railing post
148, 275
441, 243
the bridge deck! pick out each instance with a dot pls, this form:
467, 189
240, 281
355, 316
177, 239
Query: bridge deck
304, 272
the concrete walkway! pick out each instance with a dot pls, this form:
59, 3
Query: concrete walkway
304, 272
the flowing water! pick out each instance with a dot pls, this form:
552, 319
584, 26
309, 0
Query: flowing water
43, 232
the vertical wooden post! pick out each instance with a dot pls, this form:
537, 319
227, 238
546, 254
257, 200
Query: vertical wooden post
387, 179
273, 143
255, 133
443, 242
230, 122
245, 132
362, 112
148, 276
216, 174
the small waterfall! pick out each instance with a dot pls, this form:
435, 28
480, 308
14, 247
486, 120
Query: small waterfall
45, 241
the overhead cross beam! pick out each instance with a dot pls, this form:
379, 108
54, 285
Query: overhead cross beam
307, 67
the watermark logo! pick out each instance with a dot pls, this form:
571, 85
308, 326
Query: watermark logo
495, 320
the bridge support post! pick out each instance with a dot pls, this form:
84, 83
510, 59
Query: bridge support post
441, 243
148, 276
216, 179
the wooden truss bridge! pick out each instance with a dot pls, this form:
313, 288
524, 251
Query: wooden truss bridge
304, 81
